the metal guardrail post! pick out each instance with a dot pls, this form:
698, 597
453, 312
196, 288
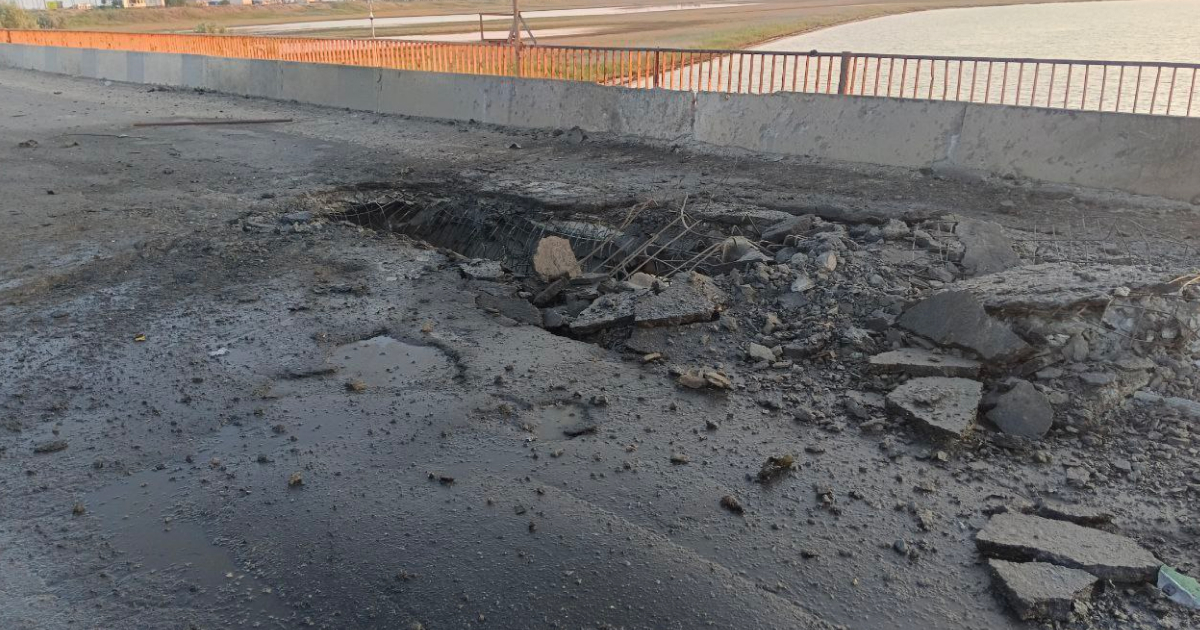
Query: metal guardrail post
657, 67
844, 74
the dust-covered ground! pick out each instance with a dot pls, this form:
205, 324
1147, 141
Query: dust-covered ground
237, 392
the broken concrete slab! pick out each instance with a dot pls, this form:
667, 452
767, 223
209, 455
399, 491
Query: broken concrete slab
1056, 286
919, 362
614, 309
956, 318
691, 298
1037, 590
789, 226
1024, 537
555, 259
986, 249
482, 269
1023, 411
511, 307
943, 406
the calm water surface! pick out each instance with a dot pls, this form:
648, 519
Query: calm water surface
1134, 30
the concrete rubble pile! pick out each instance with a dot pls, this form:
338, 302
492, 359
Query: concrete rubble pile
907, 309
939, 328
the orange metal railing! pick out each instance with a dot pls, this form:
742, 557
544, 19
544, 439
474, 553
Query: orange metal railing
1156, 88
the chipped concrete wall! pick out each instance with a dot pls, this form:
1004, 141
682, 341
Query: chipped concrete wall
1148, 155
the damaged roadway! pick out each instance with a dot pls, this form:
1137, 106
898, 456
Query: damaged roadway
228, 403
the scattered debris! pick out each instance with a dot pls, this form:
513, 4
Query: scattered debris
295, 480
699, 378
730, 502
1037, 590
776, 467
27, 144
1022, 537
679, 458
356, 386
1180, 588
51, 446
945, 406
219, 352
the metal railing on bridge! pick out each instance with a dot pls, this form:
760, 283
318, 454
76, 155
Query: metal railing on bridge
1157, 88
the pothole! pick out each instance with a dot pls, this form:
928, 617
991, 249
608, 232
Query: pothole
617, 242
561, 421
383, 361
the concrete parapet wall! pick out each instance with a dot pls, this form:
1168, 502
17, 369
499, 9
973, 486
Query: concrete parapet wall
1149, 155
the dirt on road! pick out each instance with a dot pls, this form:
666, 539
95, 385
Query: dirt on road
341, 373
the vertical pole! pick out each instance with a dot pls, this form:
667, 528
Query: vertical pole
371, 16
656, 68
514, 37
844, 73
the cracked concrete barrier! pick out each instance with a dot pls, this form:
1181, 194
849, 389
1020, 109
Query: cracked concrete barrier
1151, 155
880, 131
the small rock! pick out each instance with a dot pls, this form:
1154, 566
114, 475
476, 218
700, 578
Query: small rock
52, 446
1022, 411
736, 248
730, 502
296, 479
827, 261
776, 467
759, 352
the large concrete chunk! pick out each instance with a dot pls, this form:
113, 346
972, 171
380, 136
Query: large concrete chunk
607, 311
554, 259
511, 307
944, 406
1107, 556
1022, 411
955, 318
919, 362
691, 298
985, 247
1037, 590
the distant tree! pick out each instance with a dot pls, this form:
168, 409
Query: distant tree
176, 3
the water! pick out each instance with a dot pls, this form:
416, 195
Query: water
1137, 30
